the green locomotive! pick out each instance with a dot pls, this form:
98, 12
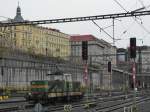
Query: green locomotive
56, 90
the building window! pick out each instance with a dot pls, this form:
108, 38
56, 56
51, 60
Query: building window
14, 34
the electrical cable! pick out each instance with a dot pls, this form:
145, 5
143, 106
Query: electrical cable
102, 29
107, 27
120, 5
127, 29
146, 30
146, 10
141, 3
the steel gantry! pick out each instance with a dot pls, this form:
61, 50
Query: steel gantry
77, 19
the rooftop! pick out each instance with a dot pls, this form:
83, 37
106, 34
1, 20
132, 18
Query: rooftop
18, 17
78, 38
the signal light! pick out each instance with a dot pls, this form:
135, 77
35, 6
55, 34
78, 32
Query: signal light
84, 50
109, 66
132, 47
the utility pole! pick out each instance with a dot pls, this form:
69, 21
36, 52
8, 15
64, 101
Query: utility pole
134, 84
113, 31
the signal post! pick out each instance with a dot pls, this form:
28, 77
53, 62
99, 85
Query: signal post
87, 105
85, 62
133, 57
110, 73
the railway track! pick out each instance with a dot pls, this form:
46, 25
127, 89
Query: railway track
14, 105
9, 109
81, 104
99, 108
16, 108
99, 101
120, 105
102, 105
10, 102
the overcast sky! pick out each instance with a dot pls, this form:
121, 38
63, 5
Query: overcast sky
52, 9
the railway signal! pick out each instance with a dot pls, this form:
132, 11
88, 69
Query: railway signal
84, 50
132, 47
109, 66
133, 57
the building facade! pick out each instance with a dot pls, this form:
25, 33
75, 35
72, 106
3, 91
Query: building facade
34, 39
143, 59
30, 53
99, 53
142, 62
95, 49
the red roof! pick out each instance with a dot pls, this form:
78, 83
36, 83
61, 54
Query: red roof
78, 38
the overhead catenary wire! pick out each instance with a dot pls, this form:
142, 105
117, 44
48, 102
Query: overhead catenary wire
142, 3
107, 27
145, 9
143, 6
120, 5
127, 29
134, 18
101, 29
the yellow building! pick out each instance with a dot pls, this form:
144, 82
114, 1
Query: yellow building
35, 39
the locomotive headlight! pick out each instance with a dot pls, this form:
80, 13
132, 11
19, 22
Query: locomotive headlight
29, 94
